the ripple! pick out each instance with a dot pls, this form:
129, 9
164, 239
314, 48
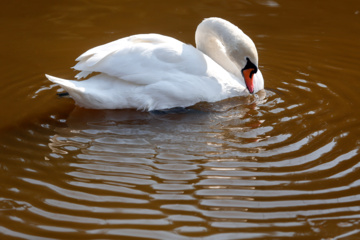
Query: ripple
235, 170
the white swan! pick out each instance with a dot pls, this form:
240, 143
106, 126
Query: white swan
152, 71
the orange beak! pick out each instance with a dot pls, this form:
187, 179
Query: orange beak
248, 76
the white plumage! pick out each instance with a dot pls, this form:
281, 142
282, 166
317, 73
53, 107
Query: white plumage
152, 71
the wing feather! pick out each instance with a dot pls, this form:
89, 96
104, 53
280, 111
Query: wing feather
142, 59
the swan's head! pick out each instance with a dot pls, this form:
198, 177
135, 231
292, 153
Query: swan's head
230, 47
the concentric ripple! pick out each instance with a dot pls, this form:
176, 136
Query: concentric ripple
230, 170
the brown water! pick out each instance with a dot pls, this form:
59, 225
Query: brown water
284, 168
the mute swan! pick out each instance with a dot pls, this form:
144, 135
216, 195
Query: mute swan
154, 72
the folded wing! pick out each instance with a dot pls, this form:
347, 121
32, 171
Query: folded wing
143, 59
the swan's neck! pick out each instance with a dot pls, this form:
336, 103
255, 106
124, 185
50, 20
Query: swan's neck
224, 43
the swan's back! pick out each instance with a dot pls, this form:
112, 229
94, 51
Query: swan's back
142, 59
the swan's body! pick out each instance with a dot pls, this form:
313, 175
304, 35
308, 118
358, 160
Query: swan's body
152, 71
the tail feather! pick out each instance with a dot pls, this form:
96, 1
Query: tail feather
96, 92
62, 82
70, 86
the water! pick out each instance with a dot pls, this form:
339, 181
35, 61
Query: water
284, 167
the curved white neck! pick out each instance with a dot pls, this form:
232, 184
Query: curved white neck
225, 43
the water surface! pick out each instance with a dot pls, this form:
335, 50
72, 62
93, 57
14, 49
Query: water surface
285, 167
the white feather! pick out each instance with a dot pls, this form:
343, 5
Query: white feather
152, 71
